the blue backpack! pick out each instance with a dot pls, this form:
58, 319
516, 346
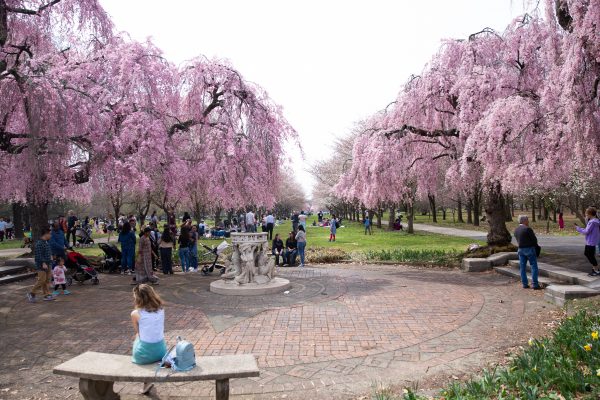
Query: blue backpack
182, 356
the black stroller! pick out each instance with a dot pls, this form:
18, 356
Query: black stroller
216, 251
80, 269
84, 237
112, 258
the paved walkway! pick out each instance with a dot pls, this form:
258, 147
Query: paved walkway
564, 251
339, 330
10, 253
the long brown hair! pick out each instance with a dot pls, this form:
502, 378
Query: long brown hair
146, 298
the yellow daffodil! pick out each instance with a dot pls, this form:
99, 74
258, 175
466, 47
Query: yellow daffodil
587, 347
598, 372
595, 335
530, 342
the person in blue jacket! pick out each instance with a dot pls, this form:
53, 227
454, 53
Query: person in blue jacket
127, 239
58, 242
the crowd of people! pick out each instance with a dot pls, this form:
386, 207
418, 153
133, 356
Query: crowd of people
144, 249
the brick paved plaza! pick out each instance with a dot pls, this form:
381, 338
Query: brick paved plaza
341, 329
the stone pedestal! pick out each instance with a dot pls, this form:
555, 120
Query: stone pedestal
252, 271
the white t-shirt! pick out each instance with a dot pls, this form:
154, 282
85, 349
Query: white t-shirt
270, 219
152, 326
250, 218
2, 226
302, 219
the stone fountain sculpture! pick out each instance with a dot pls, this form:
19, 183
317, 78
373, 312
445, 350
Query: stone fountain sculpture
252, 271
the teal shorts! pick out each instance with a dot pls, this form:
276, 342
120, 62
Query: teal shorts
148, 353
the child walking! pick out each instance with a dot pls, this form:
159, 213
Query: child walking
60, 279
332, 228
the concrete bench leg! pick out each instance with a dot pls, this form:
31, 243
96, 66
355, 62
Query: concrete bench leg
223, 389
97, 390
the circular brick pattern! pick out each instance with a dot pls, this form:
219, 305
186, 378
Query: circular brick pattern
337, 326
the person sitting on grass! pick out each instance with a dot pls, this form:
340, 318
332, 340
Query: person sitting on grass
148, 319
291, 250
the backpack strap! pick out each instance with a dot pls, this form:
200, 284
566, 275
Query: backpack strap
162, 362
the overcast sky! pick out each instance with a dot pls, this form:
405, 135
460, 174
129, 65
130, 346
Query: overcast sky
329, 63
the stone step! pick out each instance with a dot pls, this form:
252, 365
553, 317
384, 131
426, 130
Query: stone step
560, 274
20, 262
542, 280
12, 270
17, 277
559, 294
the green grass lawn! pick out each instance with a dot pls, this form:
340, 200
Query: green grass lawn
352, 243
351, 238
10, 244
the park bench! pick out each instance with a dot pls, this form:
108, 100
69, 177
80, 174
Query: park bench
97, 373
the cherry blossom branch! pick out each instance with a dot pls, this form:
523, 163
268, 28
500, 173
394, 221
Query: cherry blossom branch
399, 133
27, 11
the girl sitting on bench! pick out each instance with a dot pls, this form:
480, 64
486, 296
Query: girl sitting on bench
148, 320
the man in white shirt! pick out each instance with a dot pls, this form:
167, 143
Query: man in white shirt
302, 220
250, 222
270, 225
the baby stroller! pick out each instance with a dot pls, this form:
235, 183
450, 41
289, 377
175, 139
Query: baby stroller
80, 269
216, 251
112, 257
84, 237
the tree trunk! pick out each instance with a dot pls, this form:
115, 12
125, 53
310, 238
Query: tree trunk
432, 207
17, 214
444, 213
495, 211
39, 219
217, 216
508, 212
476, 208
392, 218
460, 211
410, 215
197, 211
533, 209
469, 207
379, 215
540, 206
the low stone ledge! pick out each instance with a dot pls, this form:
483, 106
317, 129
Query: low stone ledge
476, 264
502, 258
559, 294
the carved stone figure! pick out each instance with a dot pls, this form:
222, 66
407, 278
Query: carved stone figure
250, 262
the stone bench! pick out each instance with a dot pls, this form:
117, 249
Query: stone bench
97, 373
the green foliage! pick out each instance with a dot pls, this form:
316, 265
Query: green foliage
565, 366
415, 256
